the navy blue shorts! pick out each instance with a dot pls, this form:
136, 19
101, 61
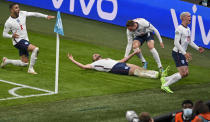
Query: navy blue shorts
179, 59
120, 68
22, 46
147, 37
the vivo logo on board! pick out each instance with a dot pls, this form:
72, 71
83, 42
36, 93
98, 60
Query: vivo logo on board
87, 8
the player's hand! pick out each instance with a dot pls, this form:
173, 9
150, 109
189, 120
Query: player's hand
136, 51
15, 35
70, 56
50, 17
188, 57
161, 44
201, 50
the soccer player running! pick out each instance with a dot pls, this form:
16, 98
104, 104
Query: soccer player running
180, 56
15, 28
138, 31
116, 67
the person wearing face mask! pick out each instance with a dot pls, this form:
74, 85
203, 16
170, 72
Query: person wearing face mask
186, 114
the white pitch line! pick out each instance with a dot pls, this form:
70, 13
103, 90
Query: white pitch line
26, 86
12, 91
27, 96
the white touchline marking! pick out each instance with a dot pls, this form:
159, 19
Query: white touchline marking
12, 91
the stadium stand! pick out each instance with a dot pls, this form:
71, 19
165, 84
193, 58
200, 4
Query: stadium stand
198, 2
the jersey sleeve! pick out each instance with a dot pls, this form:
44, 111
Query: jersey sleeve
178, 34
193, 45
7, 29
35, 14
156, 33
129, 44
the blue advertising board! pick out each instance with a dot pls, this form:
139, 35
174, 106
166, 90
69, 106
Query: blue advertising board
163, 14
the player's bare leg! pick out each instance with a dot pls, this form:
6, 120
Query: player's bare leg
136, 45
141, 72
34, 54
155, 54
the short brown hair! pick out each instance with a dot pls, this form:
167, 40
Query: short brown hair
144, 117
130, 23
11, 5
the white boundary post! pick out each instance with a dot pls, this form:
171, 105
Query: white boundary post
57, 63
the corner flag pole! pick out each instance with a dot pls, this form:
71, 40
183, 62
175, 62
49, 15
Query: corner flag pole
59, 30
57, 62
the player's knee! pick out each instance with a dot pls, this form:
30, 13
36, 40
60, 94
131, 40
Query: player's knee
135, 46
24, 60
182, 74
186, 73
35, 50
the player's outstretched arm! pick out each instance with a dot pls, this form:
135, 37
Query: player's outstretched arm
130, 56
193, 45
36, 14
87, 66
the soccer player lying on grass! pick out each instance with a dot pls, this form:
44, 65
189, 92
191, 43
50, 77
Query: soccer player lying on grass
116, 67
16, 25
179, 54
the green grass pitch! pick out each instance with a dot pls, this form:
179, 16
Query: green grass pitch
90, 96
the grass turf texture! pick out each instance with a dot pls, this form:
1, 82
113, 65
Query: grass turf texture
89, 95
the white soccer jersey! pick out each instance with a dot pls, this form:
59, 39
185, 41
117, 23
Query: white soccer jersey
18, 26
104, 65
182, 39
144, 27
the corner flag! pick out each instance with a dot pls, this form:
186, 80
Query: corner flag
59, 26
59, 30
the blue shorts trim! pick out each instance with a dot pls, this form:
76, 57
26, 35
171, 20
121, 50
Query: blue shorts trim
179, 59
22, 46
120, 68
147, 37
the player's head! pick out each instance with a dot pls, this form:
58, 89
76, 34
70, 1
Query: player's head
14, 8
185, 17
187, 106
96, 57
145, 117
131, 25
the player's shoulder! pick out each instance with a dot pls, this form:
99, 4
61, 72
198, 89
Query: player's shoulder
8, 21
128, 32
179, 29
23, 12
139, 20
